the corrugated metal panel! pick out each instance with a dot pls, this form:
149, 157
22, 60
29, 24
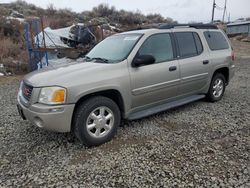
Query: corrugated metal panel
238, 23
238, 29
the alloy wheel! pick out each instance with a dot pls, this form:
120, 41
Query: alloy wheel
100, 122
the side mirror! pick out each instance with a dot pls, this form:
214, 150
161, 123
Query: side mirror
143, 60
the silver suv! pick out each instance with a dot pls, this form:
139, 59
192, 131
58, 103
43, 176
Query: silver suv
128, 76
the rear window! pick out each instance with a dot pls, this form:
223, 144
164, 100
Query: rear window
189, 44
216, 40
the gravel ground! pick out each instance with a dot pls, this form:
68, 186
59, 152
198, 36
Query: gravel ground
197, 145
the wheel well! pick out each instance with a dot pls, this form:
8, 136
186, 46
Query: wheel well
112, 94
225, 72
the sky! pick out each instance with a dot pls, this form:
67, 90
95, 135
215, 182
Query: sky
181, 10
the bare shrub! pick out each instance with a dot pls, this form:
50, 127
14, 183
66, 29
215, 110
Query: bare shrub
12, 56
8, 48
56, 23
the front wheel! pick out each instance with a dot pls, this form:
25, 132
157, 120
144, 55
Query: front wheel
217, 88
96, 121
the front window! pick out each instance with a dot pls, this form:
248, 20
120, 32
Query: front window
115, 48
159, 46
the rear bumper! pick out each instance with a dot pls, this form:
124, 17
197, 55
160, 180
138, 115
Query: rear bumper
54, 118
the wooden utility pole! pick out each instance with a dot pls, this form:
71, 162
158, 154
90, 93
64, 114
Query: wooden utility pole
224, 12
214, 5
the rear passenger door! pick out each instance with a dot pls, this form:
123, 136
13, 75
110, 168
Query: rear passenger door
193, 62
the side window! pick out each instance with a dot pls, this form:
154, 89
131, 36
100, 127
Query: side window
216, 40
189, 44
160, 46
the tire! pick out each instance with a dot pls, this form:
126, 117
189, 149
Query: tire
96, 121
217, 88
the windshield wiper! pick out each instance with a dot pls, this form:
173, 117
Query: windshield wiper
100, 59
87, 57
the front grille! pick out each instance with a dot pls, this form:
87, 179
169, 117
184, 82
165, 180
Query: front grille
26, 91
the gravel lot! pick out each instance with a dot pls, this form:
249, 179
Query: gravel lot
197, 145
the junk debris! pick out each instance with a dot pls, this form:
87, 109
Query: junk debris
71, 42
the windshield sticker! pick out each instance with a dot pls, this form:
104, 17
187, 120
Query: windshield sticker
131, 38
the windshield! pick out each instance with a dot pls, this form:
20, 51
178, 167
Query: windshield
115, 48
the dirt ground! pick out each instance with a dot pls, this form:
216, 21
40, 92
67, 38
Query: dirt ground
242, 49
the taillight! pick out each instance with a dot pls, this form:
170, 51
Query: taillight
232, 55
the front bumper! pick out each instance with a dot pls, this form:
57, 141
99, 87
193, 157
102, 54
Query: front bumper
54, 118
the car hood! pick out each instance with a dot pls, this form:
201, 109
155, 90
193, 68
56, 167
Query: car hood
62, 75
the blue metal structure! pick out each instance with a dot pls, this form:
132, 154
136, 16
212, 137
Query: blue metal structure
38, 55
238, 28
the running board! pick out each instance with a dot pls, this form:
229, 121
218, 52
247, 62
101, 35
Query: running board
163, 107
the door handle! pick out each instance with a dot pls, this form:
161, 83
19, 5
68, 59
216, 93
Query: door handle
173, 68
205, 62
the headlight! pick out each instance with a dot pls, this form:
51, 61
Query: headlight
52, 95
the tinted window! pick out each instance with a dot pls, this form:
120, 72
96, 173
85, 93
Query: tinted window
159, 46
216, 40
189, 44
186, 44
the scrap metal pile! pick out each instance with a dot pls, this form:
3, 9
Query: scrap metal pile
78, 38
48, 46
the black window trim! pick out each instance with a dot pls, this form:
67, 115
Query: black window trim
178, 49
198, 53
173, 48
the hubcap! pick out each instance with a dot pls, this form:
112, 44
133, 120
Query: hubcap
218, 88
100, 122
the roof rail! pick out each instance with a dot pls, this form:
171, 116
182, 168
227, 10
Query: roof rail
196, 26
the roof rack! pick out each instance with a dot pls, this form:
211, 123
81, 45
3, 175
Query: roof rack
196, 26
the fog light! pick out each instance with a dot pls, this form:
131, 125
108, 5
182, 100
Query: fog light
38, 122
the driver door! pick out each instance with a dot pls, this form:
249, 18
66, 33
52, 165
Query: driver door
159, 81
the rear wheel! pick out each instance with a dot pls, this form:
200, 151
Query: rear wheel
96, 121
217, 88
